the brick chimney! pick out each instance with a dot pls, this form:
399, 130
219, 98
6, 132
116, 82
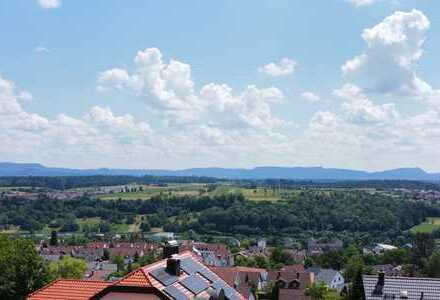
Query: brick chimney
173, 266
169, 250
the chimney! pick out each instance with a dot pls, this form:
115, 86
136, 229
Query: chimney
173, 266
169, 250
422, 296
378, 290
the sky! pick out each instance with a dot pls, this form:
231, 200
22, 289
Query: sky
179, 84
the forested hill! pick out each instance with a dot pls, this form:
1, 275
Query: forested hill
293, 173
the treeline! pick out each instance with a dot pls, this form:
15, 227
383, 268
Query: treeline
348, 184
308, 213
312, 211
32, 215
68, 182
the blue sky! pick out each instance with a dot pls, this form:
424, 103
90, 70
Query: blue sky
253, 83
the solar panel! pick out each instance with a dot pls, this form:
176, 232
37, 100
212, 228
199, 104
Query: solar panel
161, 275
194, 283
189, 266
175, 293
208, 274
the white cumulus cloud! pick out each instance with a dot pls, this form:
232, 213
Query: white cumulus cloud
310, 97
168, 88
359, 3
49, 4
284, 67
393, 48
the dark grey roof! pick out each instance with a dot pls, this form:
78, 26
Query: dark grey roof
196, 278
324, 275
394, 285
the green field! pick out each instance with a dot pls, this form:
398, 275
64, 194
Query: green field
144, 192
428, 226
257, 194
149, 191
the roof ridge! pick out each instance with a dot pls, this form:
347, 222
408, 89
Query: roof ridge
44, 287
133, 273
83, 280
405, 277
52, 283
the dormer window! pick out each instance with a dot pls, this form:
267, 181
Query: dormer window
294, 284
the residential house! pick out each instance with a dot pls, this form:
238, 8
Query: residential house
88, 253
291, 285
54, 253
216, 255
315, 248
178, 276
381, 248
262, 244
409, 288
389, 270
245, 280
331, 278
100, 270
291, 281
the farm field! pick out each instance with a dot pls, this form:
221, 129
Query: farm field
147, 191
428, 226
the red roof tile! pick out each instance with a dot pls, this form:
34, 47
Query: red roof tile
135, 278
69, 290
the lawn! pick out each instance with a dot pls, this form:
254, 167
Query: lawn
428, 226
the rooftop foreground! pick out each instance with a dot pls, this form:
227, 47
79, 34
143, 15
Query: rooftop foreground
397, 287
179, 276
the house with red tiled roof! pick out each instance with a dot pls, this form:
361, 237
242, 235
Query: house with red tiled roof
179, 276
69, 289
291, 281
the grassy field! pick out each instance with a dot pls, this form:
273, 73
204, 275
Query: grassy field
428, 226
149, 191
258, 194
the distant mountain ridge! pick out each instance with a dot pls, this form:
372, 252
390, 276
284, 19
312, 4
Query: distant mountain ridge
293, 173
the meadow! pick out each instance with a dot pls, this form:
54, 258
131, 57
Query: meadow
428, 226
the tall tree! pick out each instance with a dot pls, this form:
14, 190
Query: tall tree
22, 269
317, 291
53, 238
423, 247
357, 287
67, 268
432, 268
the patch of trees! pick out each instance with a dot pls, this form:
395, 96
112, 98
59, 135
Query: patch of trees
305, 214
68, 182
22, 269
318, 212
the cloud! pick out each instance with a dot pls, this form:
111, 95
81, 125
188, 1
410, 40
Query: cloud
168, 89
359, 109
93, 136
310, 97
284, 67
49, 4
393, 48
360, 3
41, 49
